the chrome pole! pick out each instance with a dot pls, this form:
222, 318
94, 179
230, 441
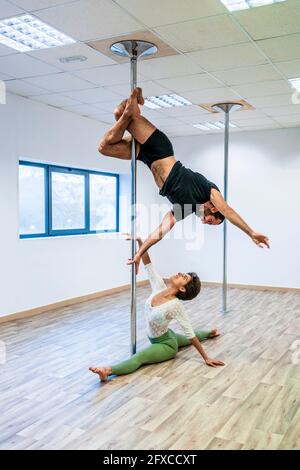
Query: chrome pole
133, 49
133, 80
226, 108
226, 146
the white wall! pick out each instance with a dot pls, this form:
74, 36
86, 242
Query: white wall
35, 272
264, 187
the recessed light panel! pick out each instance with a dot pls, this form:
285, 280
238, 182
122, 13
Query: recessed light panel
166, 101
215, 126
26, 33
236, 5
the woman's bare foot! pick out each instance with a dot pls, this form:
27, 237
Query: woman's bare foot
103, 372
214, 333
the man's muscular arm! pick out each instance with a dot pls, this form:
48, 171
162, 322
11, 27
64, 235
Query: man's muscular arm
221, 205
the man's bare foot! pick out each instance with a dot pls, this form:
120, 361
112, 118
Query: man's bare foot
214, 333
140, 97
132, 107
103, 372
119, 110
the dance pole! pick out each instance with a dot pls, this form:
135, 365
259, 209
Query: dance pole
133, 49
225, 108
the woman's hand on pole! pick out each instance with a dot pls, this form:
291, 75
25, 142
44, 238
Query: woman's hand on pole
136, 261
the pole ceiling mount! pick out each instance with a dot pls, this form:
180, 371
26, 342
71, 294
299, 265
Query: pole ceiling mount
227, 107
134, 48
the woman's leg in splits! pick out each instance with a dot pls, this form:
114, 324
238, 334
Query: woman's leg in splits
158, 352
201, 335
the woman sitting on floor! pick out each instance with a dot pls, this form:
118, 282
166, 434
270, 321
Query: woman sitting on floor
161, 307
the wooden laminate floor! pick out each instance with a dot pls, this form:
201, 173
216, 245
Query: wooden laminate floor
49, 399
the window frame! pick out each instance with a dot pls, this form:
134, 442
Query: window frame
48, 170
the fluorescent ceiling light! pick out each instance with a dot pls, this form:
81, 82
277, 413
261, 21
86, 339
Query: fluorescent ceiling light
166, 101
295, 82
216, 126
236, 5
27, 33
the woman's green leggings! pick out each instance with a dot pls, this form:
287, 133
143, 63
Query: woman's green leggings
162, 349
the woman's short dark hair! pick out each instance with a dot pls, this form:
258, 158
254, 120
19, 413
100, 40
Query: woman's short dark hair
219, 216
192, 288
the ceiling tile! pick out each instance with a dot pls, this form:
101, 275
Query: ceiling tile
149, 88
208, 96
4, 50
248, 114
21, 66
284, 120
241, 76
275, 100
261, 127
186, 132
181, 127
255, 122
164, 67
276, 87
52, 56
93, 95
3, 76
290, 68
108, 75
167, 121
204, 33
20, 87
197, 118
171, 11
230, 57
89, 19
271, 20
32, 5
107, 118
151, 114
83, 109
60, 82
181, 111
282, 48
7, 9
275, 111
207, 117
106, 107
200, 81
56, 99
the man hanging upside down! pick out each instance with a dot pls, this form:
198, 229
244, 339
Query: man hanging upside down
188, 191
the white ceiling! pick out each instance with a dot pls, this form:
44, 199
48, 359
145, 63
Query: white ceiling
249, 54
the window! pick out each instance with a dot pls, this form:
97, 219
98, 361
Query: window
32, 199
56, 200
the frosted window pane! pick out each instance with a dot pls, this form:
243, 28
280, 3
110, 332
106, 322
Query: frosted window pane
67, 201
103, 202
31, 199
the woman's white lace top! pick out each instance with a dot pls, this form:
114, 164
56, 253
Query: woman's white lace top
158, 318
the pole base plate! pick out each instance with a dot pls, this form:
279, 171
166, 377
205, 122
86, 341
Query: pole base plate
133, 48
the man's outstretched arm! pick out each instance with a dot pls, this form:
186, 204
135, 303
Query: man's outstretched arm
230, 214
166, 225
